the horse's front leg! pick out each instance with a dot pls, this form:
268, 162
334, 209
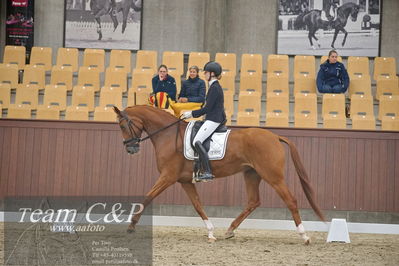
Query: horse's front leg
162, 183
100, 34
346, 34
124, 21
310, 39
115, 21
192, 193
335, 37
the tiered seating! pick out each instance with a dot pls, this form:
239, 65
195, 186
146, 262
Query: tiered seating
198, 59
68, 57
250, 81
79, 113
361, 112
252, 63
175, 63
387, 85
250, 85
5, 95
94, 58
55, 95
358, 66
384, 66
333, 111
15, 55
389, 112
116, 78
360, 84
147, 60
83, 96
89, 77
305, 110
63, 76
9, 75
228, 61
304, 74
42, 56
141, 87
35, 75
277, 109
121, 60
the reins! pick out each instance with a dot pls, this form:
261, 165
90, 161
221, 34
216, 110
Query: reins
134, 138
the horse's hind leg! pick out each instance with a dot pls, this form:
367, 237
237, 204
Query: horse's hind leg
346, 35
192, 193
317, 40
282, 190
252, 180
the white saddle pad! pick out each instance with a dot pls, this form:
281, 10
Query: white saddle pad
217, 147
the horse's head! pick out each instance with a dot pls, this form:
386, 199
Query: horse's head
354, 12
131, 131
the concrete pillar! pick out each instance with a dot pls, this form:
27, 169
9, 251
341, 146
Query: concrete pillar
214, 26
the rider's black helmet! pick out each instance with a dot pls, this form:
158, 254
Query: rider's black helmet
213, 67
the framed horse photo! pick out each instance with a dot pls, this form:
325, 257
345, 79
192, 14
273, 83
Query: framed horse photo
313, 27
103, 24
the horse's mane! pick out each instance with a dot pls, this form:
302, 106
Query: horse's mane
149, 109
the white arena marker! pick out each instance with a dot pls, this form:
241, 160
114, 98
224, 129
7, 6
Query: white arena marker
338, 231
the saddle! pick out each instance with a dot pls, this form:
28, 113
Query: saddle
206, 144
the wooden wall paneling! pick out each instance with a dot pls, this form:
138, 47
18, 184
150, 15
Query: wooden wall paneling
321, 171
5, 160
89, 158
359, 174
28, 158
382, 177
351, 170
367, 191
396, 165
67, 156
19, 178
96, 167
59, 162
349, 173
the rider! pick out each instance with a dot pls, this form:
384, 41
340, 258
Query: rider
332, 8
214, 116
113, 8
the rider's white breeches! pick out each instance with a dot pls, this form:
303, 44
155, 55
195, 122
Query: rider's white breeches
205, 131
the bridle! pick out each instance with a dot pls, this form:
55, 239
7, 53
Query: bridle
134, 137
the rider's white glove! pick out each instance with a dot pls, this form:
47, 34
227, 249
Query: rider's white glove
187, 115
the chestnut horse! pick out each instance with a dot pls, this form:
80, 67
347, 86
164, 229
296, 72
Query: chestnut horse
255, 151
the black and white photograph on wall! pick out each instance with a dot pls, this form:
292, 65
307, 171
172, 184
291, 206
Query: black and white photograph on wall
313, 27
103, 24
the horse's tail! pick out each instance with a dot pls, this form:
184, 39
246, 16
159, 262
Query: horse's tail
299, 23
303, 177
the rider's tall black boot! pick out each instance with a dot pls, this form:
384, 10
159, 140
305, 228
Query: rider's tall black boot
204, 159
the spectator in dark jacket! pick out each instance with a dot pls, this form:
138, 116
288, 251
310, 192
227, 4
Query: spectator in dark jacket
332, 76
192, 94
164, 83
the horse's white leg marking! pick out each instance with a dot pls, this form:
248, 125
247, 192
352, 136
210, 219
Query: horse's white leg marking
301, 230
210, 228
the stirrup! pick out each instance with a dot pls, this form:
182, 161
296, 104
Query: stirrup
203, 177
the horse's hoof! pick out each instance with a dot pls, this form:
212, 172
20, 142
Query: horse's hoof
130, 230
307, 241
314, 48
228, 235
211, 240
319, 45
